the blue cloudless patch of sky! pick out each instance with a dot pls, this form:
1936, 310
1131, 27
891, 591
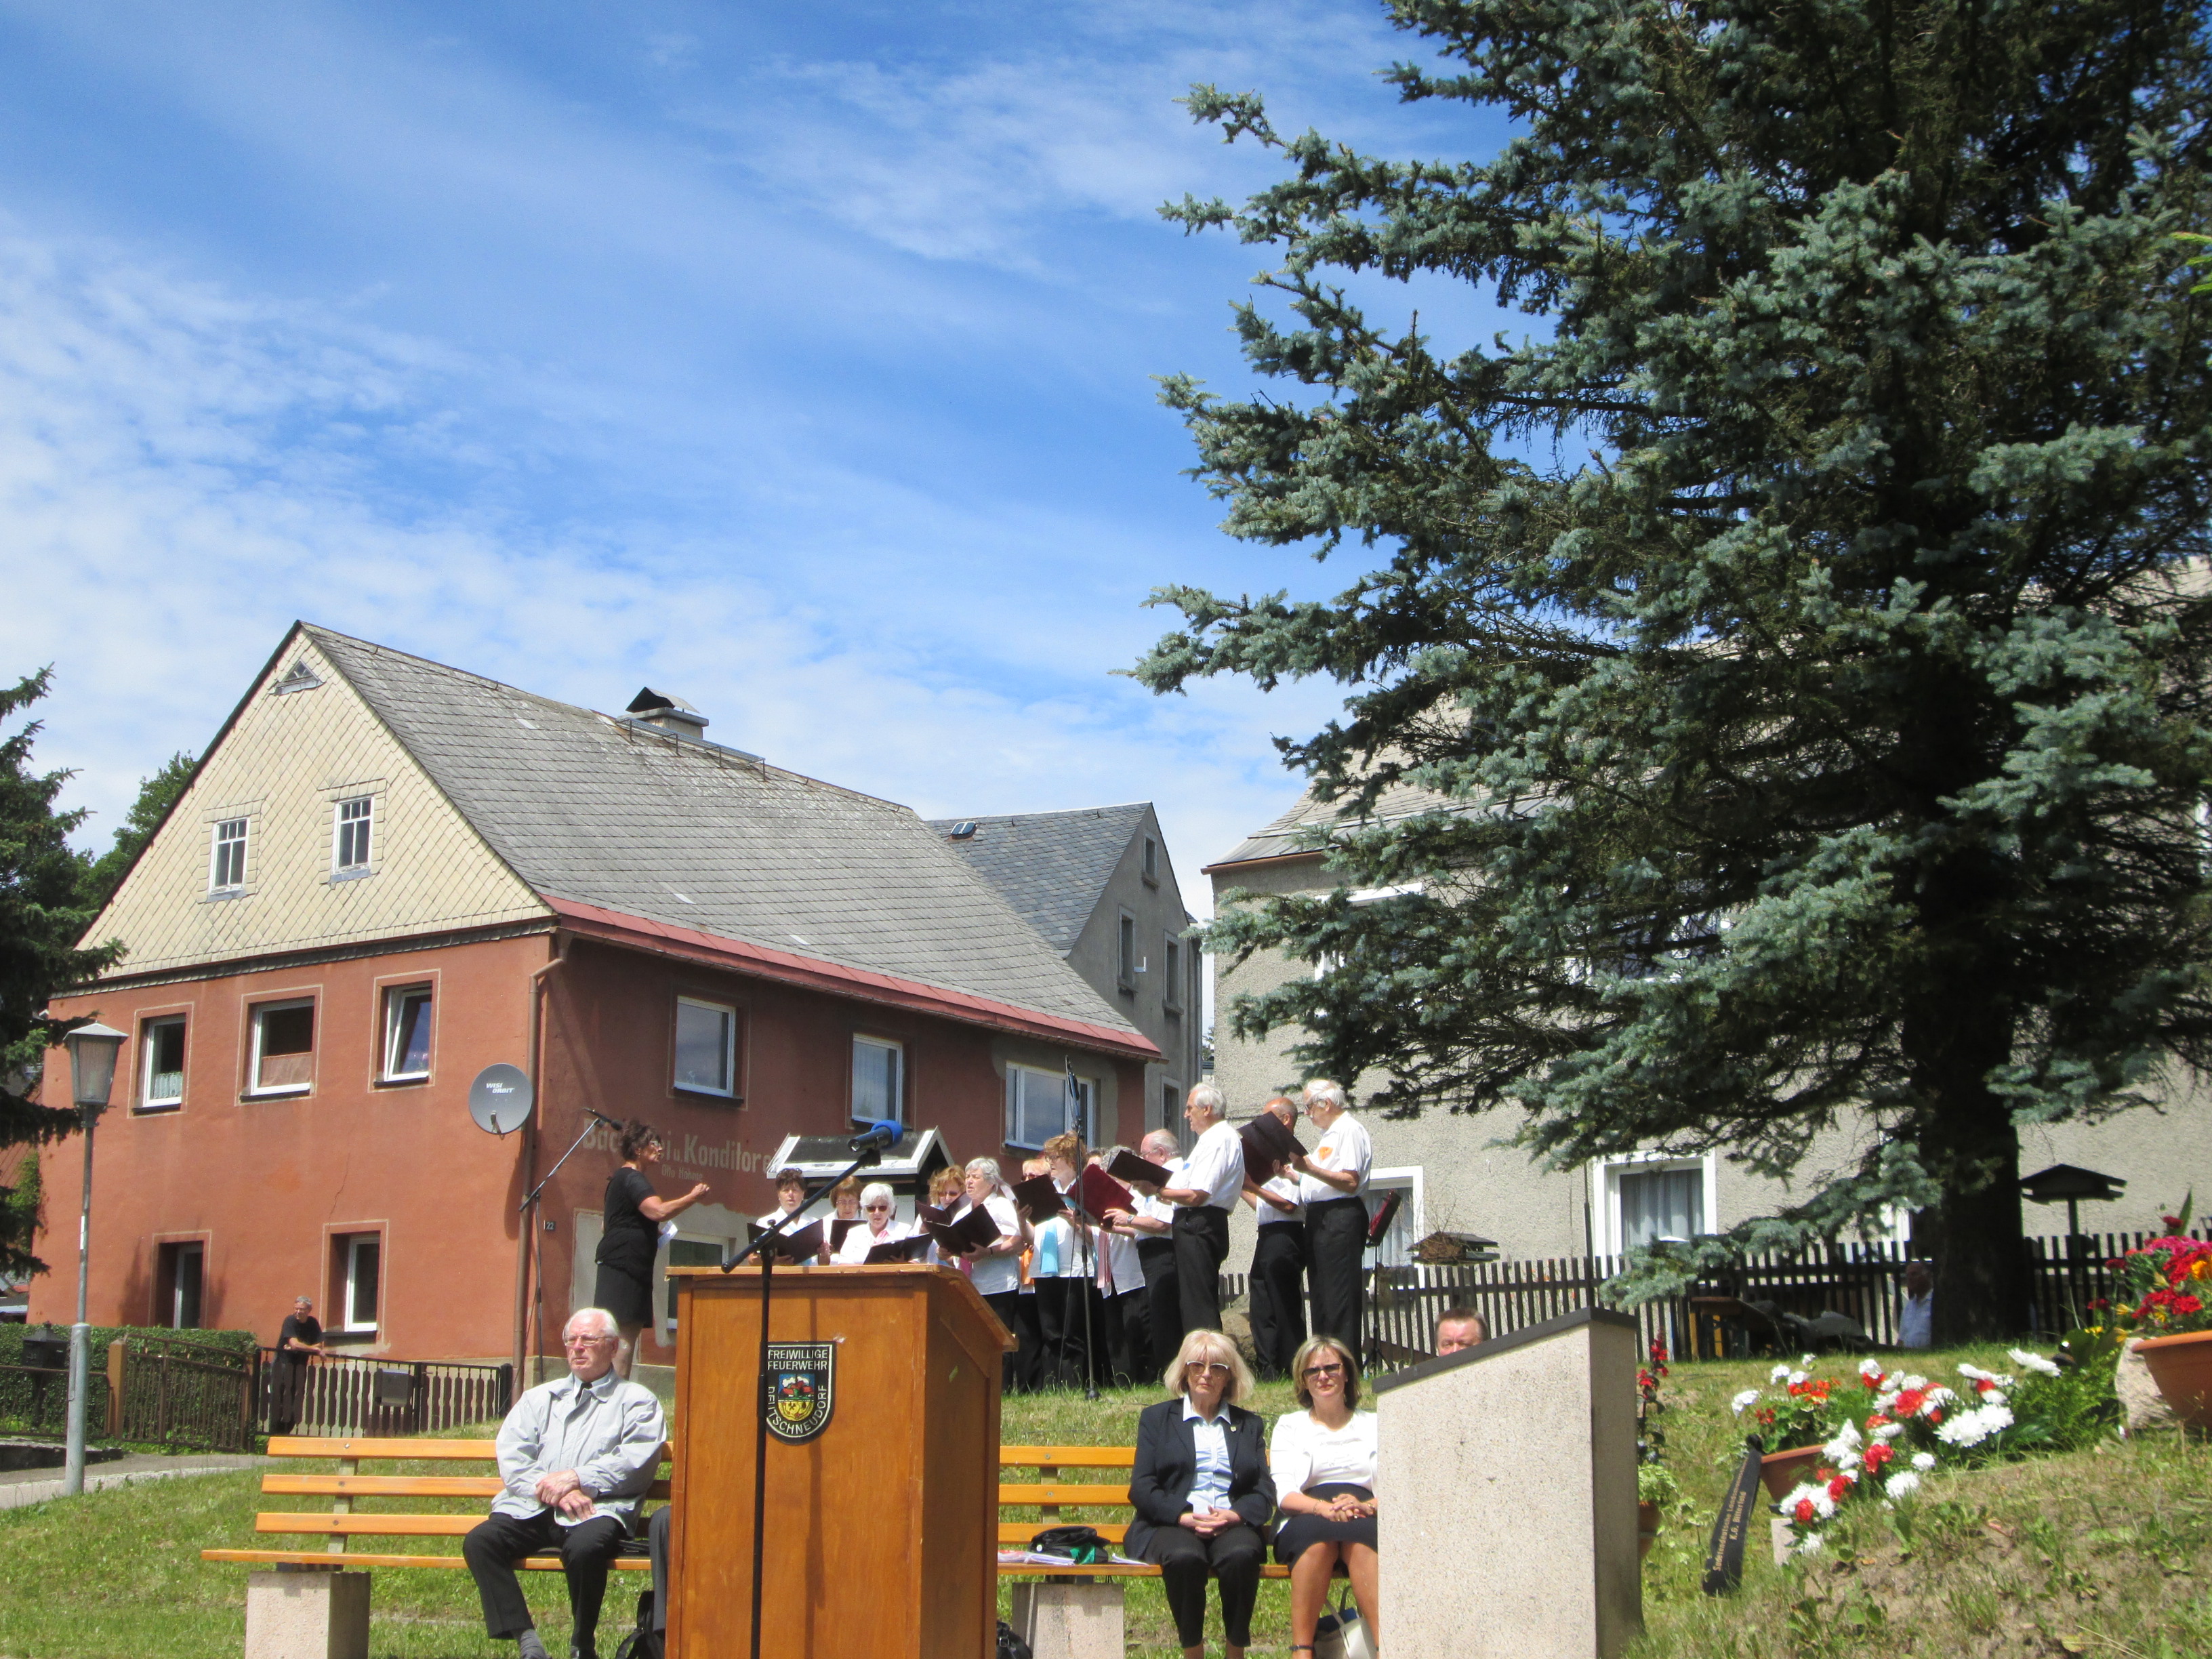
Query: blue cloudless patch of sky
797, 360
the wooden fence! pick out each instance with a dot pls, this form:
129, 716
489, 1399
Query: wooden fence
344, 1395
1861, 1282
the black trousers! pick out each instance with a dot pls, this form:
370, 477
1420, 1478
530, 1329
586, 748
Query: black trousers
588, 1550
288, 1394
1336, 1234
1030, 1370
1233, 1556
1062, 1306
1163, 1300
656, 1547
1006, 1305
1201, 1244
1278, 1300
1129, 1340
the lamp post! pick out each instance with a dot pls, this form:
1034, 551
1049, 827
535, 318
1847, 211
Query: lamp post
92, 1050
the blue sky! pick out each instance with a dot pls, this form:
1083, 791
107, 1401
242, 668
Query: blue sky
796, 360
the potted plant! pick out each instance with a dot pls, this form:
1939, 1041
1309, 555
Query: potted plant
1795, 1413
1655, 1486
2160, 1298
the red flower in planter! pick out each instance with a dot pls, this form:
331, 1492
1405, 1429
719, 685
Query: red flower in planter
1840, 1487
1910, 1402
1804, 1512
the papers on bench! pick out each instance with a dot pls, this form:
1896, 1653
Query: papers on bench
1038, 1559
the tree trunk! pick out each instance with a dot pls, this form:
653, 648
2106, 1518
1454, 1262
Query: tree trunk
1968, 1142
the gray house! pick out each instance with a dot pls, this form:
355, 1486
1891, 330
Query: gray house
1098, 885
1456, 1179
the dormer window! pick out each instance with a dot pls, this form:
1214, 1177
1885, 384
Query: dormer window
1151, 861
351, 836
227, 864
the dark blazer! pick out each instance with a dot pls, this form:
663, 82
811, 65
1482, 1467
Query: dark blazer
1167, 1467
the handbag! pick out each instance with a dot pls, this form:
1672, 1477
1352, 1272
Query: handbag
1341, 1635
1081, 1545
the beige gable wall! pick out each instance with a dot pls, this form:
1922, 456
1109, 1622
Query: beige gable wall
283, 766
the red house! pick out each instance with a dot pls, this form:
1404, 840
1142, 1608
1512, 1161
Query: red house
386, 875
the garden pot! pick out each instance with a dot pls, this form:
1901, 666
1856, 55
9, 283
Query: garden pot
2182, 1368
1784, 1469
1647, 1528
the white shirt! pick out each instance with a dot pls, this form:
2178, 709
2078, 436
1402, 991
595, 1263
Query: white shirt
1283, 1186
1156, 1208
1210, 1491
994, 1275
1059, 1251
1303, 1453
1215, 1167
1916, 1321
860, 1241
1345, 1145
1123, 1267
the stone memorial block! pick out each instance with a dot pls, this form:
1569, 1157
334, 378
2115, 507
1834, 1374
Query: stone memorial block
1507, 1513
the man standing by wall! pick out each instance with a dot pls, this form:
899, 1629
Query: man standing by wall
1211, 1180
1334, 1187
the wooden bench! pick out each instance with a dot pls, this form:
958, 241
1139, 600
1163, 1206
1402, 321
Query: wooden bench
342, 1524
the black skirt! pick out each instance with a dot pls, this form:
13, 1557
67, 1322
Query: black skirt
624, 1295
1293, 1533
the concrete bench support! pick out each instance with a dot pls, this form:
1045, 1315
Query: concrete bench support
1062, 1620
307, 1615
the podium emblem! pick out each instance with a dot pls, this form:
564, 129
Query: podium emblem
802, 1386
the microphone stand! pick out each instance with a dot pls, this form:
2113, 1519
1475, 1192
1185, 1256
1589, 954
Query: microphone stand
527, 1207
874, 1155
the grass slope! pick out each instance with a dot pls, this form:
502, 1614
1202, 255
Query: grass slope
2106, 1552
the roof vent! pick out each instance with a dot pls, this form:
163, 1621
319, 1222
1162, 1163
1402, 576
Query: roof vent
301, 679
963, 831
671, 714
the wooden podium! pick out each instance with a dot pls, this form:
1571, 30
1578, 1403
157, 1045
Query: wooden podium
881, 1527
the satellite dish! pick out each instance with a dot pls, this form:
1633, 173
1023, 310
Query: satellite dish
500, 1099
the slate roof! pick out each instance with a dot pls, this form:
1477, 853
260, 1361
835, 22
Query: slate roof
1051, 868
587, 807
1282, 837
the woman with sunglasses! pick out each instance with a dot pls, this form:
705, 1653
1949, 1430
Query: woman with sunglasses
878, 1206
1201, 1491
1323, 1461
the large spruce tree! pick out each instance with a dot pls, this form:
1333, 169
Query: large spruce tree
1807, 618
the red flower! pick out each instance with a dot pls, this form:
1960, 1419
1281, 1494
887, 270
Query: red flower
1910, 1402
2187, 1304
1804, 1511
2171, 1222
1876, 1421
1935, 1416
1877, 1455
1984, 1385
1840, 1488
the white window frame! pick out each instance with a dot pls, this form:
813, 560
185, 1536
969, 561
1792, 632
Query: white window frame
221, 844
260, 1012
1411, 1179
396, 997
342, 868
350, 1282
729, 1016
898, 1076
195, 1250
1088, 1112
148, 1100
1605, 1191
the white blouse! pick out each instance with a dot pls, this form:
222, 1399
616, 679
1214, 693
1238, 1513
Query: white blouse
1303, 1454
994, 1275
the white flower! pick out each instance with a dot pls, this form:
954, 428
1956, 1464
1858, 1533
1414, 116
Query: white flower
1797, 1378
1844, 1450
1805, 1359
1903, 1484
1809, 1543
1972, 1428
1748, 1398
1910, 1382
1870, 1367
1923, 1461
1778, 1374
2034, 1362
1889, 1431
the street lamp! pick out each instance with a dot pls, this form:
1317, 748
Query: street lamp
91, 1051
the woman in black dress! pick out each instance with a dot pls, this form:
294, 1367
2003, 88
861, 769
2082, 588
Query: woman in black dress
1202, 1492
630, 1237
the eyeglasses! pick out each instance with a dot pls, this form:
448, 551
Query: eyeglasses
1323, 1370
1205, 1367
875, 1206
588, 1341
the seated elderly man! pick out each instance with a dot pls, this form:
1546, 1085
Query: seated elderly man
575, 1456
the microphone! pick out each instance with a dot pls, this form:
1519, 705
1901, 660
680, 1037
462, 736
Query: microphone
612, 1122
883, 1132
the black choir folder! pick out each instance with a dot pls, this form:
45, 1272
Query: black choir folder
1127, 1166
971, 1232
1040, 1197
1268, 1141
802, 1245
1099, 1192
839, 1228
909, 1248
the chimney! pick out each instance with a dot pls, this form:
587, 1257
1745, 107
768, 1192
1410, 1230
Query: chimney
671, 714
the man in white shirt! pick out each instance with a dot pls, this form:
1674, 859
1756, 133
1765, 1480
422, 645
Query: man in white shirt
575, 1458
1334, 1187
1279, 1262
1916, 1319
1151, 1222
1209, 1182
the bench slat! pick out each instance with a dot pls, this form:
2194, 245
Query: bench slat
1016, 1534
1117, 1497
369, 1526
397, 1486
1067, 1457
350, 1563
419, 1451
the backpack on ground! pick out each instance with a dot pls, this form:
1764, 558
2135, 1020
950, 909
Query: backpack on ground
644, 1642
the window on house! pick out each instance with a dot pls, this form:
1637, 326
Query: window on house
283, 1047
690, 1253
1197, 1004
406, 1033
1151, 861
706, 1046
1125, 968
1171, 1105
162, 1081
227, 868
360, 1280
1172, 975
349, 843
1396, 1249
1040, 1104
1661, 1203
183, 1278
878, 1079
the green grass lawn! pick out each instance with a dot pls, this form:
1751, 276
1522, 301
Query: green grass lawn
2106, 1552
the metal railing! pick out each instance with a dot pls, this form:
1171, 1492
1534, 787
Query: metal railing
173, 1391
343, 1394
